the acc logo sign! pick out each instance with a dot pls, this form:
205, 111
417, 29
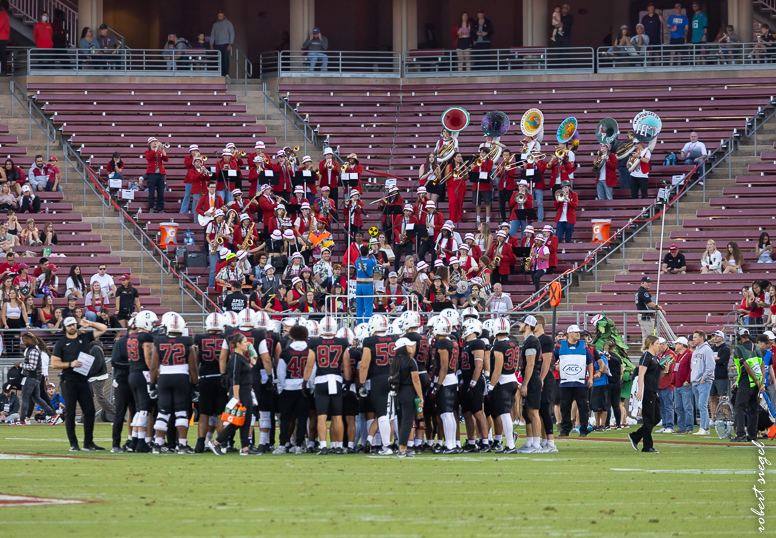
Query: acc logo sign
572, 370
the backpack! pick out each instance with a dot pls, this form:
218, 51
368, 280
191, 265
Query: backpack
14, 377
99, 366
670, 160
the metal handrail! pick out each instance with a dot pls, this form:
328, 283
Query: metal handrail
119, 37
92, 179
247, 68
287, 110
297, 63
514, 61
150, 62
693, 56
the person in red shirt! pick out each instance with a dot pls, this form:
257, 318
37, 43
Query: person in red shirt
404, 246
551, 242
419, 206
481, 188
505, 176
500, 248
352, 212
310, 177
329, 174
240, 205
607, 176
456, 186
353, 167
267, 204
5, 34
433, 221
10, 267
561, 169
43, 33
227, 174
196, 180
354, 252
209, 202
257, 161
298, 198
155, 156
283, 172
474, 249
685, 417
522, 213
533, 173
393, 199
565, 213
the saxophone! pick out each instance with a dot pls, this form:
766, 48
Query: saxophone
248, 241
527, 263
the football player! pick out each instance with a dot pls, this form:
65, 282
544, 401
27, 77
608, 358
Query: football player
548, 386
212, 395
472, 362
531, 389
173, 364
503, 383
122, 393
376, 356
291, 388
140, 350
350, 398
446, 386
328, 364
412, 324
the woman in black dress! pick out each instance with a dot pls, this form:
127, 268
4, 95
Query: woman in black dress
405, 388
649, 376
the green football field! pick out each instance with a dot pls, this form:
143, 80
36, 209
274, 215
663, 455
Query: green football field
590, 488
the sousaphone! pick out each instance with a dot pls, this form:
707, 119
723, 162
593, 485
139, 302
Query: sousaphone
455, 119
532, 126
568, 134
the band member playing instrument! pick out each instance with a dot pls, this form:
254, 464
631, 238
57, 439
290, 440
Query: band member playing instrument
325, 207
551, 242
319, 236
298, 198
213, 231
276, 222
540, 256
446, 245
188, 160
305, 222
528, 237
533, 173
352, 212
522, 209
565, 212
330, 173
505, 178
433, 221
481, 188
456, 186
155, 156
420, 203
467, 262
209, 202
474, 248
247, 229
196, 182
237, 203
310, 177
430, 174
405, 245
227, 172
446, 146
514, 241
502, 258
353, 167
267, 204
639, 170
352, 254
562, 168
257, 162
607, 176
283, 172
393, 199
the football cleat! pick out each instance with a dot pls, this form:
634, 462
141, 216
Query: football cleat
449, 451
509, 451
217, 450
117, 450
184, 449
74, 448
199, 448
386, 452
56, 419
298, 450
91, 448
323, 452
280, 450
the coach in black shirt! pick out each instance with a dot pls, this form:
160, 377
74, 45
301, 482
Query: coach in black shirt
122, 393
236, 300
649, 377
76, 386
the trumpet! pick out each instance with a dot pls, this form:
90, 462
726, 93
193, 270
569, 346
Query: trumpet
329, 165
242, 154
204, 171
560, 153
204, 158
521, 198
561, 196
165, 145
344, 168
296, 148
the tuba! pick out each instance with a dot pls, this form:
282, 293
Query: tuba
454, 120
598, 163
568, 133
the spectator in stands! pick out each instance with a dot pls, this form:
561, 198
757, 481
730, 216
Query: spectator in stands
127, 300
29, 202
75, 285
764, 250
110, 47
52, 183
116, 166
711, 259
622, 44
498, 301
169, 55
32, 311
694, 152
7, 199
47, 313
88, 47
105, 280
43, 34
38, 174
48, 237
15, 175
70, 309
765, 36
14, 226
47, 283
678, 24
756, 302
316, 47
482, 30
9, 267
728, 49
567, 20
155, 156
721, 353
30, 235
24, 281
13, 317
733, 261
700, 31
652, 23
9, 405
702, 378
640, 40
5, 34
7, 241
94, 301
462, 42
55, 323
557, 26
221, 39
674, 262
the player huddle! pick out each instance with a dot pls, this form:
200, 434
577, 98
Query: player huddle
311, 374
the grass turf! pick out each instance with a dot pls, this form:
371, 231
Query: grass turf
696, 487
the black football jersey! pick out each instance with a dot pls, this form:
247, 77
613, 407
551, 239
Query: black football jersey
355, 358
383, 349
421, 349
453, 351
329, 353
467, 357
254, 336
295, 362
511, 351
531, 343
173, 350
209, 345
135, 353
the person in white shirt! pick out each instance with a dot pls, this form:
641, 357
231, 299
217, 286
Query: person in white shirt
105, 280
711, 260
694, 152
498, 301
639, 174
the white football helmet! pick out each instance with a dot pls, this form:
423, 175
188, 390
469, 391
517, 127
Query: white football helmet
452, 315
348, 334
230, 319
471, 326
214, 322
442, 327
274, 326
431, 322
378, 324
362, 332
173, 322
262, 320
313, 329
246, 318
488, 325
397, 327
146, 320
470, 311
328, 326
501, 326
411, 320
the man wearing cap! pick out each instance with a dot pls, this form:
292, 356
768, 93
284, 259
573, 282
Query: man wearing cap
607, 175
575, 367
155, 157
108, 44
562, 169
482, 191
212, 231
352, 212
76, 388
506, 182
317, 45
683, 400
308, 177
702, 378
677, 23
228, 274
419, 206
282, 172
267, 204
666, 357
29, 203
257, 161
297, 200
386, 205
403, 225
195, 183
646, 308
353, 167
210, 201
501, 249
325, 207
721, 353
565, 213
522, 212
228, 174
433, 222
247, 229
10, 267
674, 262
